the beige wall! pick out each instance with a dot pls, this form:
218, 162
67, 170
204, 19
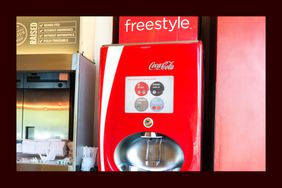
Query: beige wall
95, 32
87, 36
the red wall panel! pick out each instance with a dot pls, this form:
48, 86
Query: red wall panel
240, 94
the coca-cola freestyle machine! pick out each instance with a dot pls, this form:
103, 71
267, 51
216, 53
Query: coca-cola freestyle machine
150, 107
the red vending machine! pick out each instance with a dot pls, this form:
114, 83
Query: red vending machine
150, 107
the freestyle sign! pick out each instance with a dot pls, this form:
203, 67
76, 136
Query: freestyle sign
157, 28
163, 24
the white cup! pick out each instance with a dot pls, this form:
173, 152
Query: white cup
87, 163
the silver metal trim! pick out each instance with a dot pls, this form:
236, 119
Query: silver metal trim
152, 43
44, 62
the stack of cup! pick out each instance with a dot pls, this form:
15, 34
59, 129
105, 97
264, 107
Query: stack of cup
89, 156
87, 163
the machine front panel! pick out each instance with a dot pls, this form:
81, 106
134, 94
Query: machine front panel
154, 88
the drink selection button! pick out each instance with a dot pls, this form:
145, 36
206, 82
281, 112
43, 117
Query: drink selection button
157, 88
141, 104
141, 88
157, 104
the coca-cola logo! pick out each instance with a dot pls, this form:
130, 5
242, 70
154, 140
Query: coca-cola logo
167, 65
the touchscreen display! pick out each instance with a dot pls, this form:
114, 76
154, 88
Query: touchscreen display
149, 94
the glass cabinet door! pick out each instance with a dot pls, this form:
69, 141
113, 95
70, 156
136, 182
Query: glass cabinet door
19, 106
46, 113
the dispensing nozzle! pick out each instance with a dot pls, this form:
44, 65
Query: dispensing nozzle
150, 135
153, 149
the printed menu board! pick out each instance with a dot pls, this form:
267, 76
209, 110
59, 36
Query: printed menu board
47, 35
149, 94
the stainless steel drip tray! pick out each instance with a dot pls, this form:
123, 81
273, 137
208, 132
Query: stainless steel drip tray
148, 153
136, 169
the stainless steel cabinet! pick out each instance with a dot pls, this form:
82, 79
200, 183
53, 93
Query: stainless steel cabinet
43, 105
56, 99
